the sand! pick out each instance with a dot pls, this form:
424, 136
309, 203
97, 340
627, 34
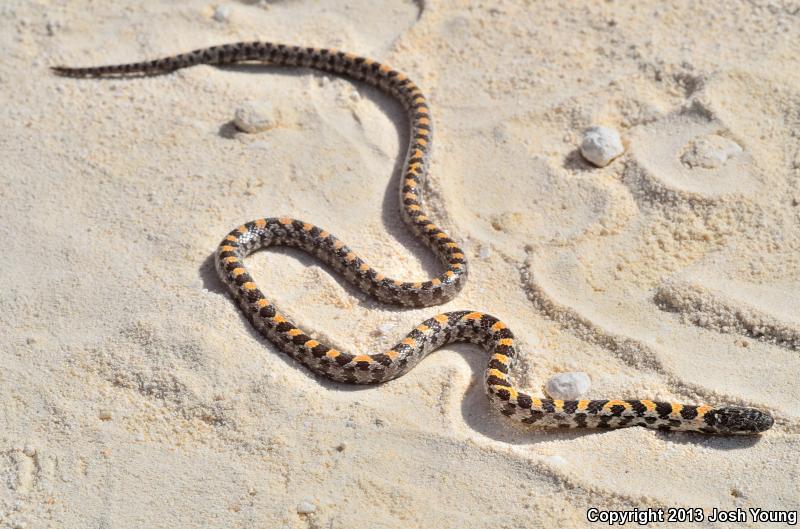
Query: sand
133, 392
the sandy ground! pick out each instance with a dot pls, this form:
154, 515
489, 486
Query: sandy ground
133, 392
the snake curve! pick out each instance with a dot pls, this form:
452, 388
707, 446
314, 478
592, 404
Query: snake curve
459, 326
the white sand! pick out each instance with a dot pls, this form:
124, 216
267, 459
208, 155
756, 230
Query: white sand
134, 393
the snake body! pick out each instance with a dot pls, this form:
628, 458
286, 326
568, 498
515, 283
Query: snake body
459, 326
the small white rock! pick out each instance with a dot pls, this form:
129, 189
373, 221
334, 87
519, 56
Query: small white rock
306, 507
600, 145
222, 13
484, 252
255, 116
709, 152
567, 386
29, 451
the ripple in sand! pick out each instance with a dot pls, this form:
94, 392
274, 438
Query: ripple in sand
725, 311
691, 364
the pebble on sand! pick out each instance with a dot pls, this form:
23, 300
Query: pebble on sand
306, 507
255, 116
222, 13
600, 145
567, 386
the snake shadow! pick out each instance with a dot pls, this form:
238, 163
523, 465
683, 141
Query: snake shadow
390, 216
392, 222
475, 408
482, 417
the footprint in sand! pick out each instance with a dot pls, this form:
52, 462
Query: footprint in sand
710, 150
22, 469
689, 156
707, 184
532, 202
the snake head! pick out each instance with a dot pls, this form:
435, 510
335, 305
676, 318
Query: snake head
734, 420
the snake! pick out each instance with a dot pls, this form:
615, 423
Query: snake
471, 326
